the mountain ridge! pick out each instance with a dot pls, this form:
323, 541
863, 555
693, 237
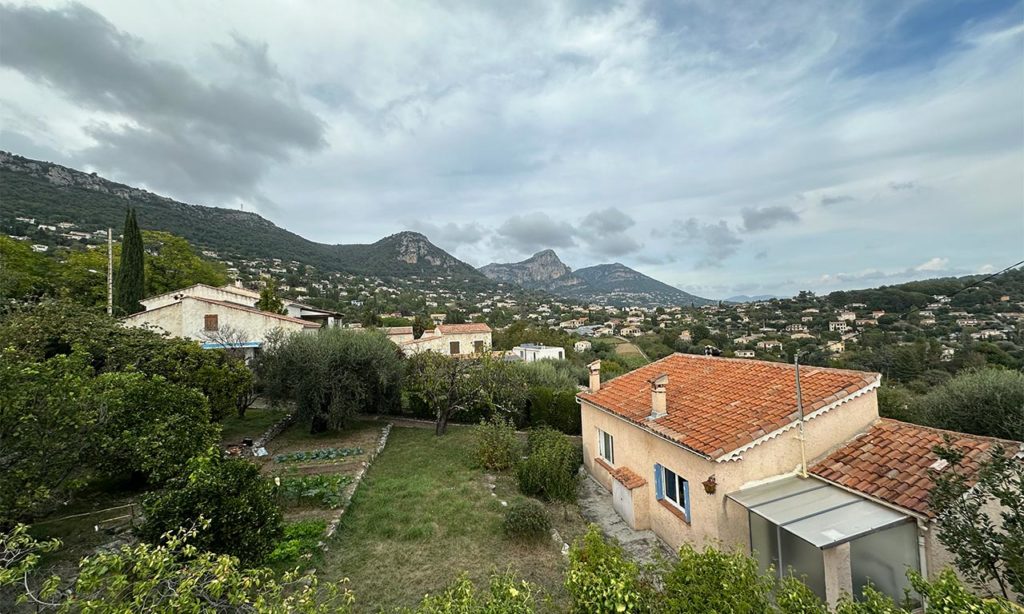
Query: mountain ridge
38, 189
614, 283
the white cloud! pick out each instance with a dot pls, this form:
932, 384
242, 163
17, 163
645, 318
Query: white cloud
934, 264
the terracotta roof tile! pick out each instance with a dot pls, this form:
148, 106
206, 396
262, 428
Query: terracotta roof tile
891, 462
628, 478
718, 405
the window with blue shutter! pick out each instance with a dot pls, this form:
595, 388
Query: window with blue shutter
672, 488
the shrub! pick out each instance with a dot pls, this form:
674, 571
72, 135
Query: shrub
794, 597
507, 594
527, 520
716, 581
299, 538
555, 408
497, 446
602, 579
551, 469
244, 519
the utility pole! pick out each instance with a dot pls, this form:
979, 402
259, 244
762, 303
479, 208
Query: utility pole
110, 271
800, 410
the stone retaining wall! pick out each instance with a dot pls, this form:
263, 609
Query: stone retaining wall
350, 490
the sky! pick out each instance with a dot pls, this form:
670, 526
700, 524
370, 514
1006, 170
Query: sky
724, 148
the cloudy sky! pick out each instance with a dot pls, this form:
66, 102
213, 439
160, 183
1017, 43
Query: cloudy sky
762, 148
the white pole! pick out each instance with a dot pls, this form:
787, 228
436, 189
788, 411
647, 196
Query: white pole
110, 271
800, 409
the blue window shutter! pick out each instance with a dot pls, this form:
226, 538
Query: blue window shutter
658, 490
686, 498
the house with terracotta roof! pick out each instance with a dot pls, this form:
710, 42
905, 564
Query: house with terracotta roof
451, 340
710, 450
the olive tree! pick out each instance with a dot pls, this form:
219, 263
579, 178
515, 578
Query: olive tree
333, 374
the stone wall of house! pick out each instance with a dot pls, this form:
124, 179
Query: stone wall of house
187, 319
441, 343
203, 291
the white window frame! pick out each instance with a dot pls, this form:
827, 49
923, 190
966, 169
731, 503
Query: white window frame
681, 486
605, 451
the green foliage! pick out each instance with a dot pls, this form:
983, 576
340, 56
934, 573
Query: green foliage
303, 456
526, 520
986, 402
129, 280
554, 408
984, 551
170, 576
948, 595
45, 421
24, 274
244, 519
149, 426
269, 300
451, 386
300, 539
716, 581
551, 469
333, 374
53, 328
317, 490
174, 264
601, 579
794, 597
496, 443
507, 594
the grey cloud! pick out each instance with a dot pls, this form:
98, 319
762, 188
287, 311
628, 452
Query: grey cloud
224, 134
717, 240
450, 236
608, 221
836, 200
901, 186
604, 232
767, 217
761, 255
532, 232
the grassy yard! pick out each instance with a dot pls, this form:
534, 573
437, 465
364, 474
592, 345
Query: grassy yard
256, 421
424, 514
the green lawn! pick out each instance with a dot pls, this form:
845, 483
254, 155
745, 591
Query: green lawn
256, 421
424, 514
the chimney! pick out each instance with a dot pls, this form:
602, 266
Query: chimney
595, 375
658, 401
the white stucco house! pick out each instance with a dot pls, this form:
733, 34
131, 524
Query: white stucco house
531, 352
451, 340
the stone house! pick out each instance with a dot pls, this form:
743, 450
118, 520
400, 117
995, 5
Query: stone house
710, 450
451, 340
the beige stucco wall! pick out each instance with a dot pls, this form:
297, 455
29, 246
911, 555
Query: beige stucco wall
187, 319
440, 343
714, 518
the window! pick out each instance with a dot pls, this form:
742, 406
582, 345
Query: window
478, 347
210, 322
672, 488
606, 446
453, 348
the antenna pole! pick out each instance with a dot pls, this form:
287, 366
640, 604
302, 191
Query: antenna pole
110, 271
800, 410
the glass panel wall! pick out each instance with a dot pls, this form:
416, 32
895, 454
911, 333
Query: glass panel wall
882, 559
803, 560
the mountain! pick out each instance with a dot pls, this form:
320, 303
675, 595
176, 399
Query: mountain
745, 298
53, 193
614, 284
540, 271
617, 282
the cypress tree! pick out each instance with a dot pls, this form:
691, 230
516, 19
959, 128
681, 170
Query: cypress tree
129, 285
